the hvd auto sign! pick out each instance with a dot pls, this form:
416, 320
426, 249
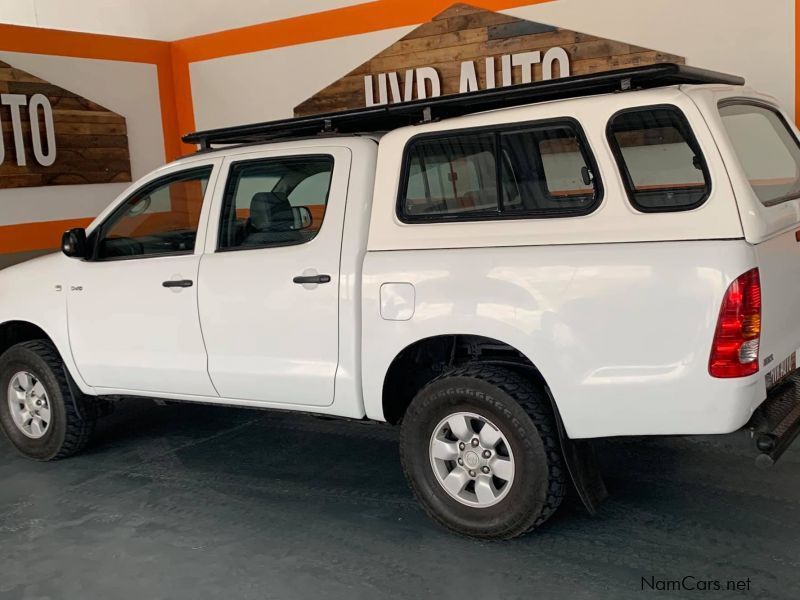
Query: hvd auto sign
51, 136
465, 49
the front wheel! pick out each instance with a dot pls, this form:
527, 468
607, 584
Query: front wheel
38, 412
481, 453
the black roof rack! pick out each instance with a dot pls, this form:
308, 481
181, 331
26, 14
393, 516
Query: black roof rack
391, 116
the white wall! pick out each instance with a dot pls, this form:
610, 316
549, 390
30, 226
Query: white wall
129, 89
267, 85
753, 39
155, 19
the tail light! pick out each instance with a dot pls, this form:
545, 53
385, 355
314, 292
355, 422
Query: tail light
734, 352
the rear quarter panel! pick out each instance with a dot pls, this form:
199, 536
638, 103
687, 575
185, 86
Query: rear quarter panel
620, 332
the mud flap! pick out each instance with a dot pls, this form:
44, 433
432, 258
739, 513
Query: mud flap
100, 406
582, 464
74, 393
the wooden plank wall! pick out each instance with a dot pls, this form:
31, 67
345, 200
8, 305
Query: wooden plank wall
91, 141
464, 32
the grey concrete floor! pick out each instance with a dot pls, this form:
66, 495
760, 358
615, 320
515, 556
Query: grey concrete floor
205, 502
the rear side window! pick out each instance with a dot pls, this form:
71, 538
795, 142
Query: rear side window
535, 171
767, 150
274, 201
659, 158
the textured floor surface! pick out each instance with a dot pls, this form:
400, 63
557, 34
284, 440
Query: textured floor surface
202, 502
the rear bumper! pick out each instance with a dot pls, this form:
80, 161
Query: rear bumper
776, 422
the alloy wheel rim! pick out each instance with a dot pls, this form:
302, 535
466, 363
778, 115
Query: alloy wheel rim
472, 459
29, 404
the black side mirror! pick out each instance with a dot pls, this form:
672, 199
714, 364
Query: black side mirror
302, 217
73, 243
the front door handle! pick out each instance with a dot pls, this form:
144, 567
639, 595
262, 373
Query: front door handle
301, 279
178, 283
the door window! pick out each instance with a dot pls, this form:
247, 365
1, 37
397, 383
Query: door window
274, 202
767, 150
161, 218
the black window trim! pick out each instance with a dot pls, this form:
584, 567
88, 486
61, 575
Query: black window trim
622, 166
497, 215
227, 191
97, 233
776, 110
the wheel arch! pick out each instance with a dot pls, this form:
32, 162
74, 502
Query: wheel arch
426, 358
15, 331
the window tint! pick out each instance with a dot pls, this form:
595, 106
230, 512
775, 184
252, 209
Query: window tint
161, 218
659, 159
274, 202
545, 172
542, 171
451, 176
767, 150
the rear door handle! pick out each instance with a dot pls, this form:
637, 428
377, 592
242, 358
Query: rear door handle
178, 283
301, 279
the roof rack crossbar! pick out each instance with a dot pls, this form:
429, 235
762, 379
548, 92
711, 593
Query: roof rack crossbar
391, 116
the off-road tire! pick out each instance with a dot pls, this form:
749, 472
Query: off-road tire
522, 411
73, 418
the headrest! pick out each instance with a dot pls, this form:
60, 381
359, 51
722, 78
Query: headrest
271, 211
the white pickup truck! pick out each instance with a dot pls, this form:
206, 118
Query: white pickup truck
503, 274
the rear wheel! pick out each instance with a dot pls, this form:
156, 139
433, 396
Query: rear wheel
480, 451
38, 412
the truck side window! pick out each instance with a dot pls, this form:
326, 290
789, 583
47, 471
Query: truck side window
161, 218
535, 170
661, 163
452, 175
550, 172
767, 150
274, 201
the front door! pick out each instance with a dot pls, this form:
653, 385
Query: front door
132, 306
269, 280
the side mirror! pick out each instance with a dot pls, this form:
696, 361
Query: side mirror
139, 206
73, 243
302, 217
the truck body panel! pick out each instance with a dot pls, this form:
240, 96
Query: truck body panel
582, 314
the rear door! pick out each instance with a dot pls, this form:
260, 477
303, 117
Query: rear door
269, 280
766, 176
